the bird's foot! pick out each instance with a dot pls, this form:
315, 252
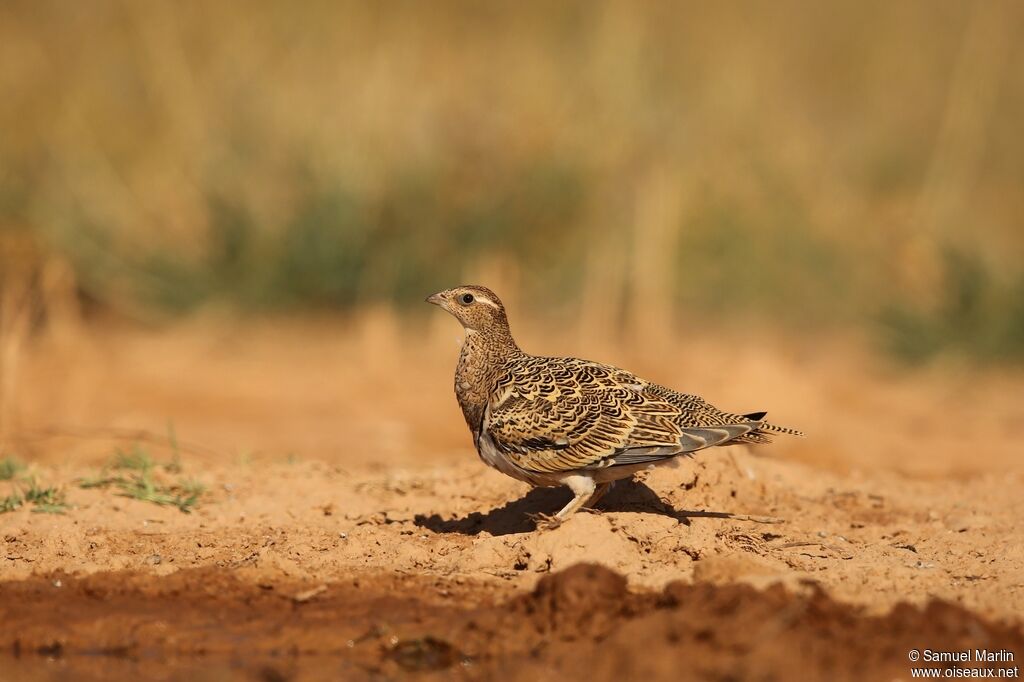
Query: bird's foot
545, 521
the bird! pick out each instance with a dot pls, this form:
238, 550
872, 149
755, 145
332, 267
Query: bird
562, 421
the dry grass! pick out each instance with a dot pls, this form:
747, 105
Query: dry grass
648, 161
37, 289
17, 306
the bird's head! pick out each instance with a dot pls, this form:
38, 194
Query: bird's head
478, 308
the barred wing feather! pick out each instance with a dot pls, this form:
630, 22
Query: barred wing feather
561, 414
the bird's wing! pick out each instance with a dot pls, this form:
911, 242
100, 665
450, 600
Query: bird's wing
562, 414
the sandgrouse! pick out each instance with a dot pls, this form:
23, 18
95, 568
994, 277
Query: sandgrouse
566, 421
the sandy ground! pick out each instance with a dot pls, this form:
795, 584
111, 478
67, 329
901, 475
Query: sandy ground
338, 473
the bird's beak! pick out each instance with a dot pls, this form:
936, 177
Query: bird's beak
436, 299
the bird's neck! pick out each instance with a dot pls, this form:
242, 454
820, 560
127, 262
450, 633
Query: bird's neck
481, 361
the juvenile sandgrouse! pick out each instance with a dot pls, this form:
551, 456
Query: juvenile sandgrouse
566, 421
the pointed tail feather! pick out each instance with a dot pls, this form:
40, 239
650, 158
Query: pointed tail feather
763, 431
772, 428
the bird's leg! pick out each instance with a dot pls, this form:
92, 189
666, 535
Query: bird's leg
598, 493
545, 521
583, 488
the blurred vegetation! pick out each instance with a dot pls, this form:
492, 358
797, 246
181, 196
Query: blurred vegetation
818, 164
977, 315
26, 490
9, 468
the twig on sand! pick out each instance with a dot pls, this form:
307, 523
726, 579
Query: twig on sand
756, 519
306, 595
843, 554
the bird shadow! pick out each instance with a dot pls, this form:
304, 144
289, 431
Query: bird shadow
514, 517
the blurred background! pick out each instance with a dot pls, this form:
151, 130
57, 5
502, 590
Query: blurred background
637, 172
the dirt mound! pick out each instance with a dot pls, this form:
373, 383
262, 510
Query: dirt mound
579, 623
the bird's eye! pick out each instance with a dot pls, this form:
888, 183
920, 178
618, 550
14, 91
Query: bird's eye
467, 299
